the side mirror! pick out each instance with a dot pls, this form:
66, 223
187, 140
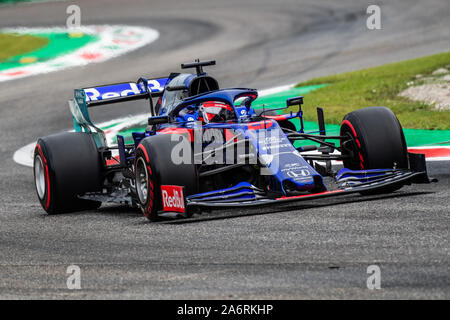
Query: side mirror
296, 101
158, 120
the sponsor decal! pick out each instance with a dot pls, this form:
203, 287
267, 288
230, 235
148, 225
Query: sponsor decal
122, 90
172, 198
293, 166
301, 173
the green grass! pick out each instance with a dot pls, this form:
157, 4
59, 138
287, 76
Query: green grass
378, 86
12, 45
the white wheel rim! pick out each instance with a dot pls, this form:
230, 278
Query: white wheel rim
39, 176
142, 180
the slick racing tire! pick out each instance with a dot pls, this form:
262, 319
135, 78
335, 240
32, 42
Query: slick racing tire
66, 165
154, 167
377, 141
284, 124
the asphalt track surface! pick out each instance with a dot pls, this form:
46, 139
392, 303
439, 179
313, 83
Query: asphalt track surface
309, 250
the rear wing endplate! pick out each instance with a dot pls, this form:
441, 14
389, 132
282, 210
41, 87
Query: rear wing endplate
81, 120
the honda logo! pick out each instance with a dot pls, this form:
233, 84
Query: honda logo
296, 174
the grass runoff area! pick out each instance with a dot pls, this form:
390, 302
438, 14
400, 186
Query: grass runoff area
378, 86
13, 44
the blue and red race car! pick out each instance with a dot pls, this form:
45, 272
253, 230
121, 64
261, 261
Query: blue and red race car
208, 147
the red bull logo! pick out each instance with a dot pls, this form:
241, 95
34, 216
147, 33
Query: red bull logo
173, 199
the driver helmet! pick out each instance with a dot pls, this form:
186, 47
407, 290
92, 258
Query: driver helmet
215, 111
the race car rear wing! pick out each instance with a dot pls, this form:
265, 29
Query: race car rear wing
125, 91
108, 94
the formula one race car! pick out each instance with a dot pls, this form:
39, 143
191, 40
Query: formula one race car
206, 147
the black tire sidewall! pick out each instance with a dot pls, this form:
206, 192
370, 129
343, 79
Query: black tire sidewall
152, 205
379, 139
74, 168
156, 152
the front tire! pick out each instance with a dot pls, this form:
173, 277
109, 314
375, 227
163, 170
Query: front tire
375, 141
154, 167
378, 139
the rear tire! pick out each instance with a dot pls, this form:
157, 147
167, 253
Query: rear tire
66, 165
154, 167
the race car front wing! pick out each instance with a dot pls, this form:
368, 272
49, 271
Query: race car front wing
359, 181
